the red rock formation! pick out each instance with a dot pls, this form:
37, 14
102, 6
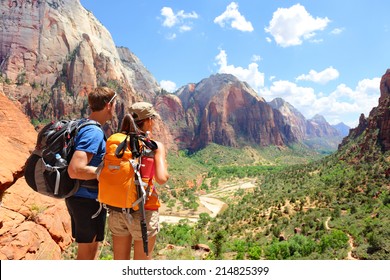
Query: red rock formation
383, 112
223, 110
53, 54
375, 128
17, 141
32, 226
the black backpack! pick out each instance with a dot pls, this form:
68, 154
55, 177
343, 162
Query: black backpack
46, 170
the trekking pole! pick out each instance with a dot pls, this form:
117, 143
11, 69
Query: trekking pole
140, 192
144, 229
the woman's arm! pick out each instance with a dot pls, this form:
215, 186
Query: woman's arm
160, 163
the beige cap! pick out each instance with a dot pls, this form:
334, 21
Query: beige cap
143, 110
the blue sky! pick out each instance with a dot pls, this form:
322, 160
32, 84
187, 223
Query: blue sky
322, 56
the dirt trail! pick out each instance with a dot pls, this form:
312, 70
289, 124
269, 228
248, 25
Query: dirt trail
210, 202
350, 241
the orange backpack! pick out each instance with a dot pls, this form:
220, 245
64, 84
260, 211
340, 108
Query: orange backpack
119, 173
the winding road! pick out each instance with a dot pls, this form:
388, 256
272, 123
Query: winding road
210, 202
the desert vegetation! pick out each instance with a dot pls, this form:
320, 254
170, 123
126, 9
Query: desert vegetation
305, 205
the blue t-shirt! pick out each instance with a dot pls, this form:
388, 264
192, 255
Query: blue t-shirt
90, 139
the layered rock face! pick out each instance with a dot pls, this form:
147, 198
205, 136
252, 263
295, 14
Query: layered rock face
319, 127
292, 116
17, 141
382, 118
53, 53
375, 128
38, 37
32, 226
223, 110
300, 126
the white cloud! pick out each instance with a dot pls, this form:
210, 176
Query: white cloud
233, 16
251, 75
256, 58
344, 104
168, 85
322, 77
171, 36
181, 20
170, 18
337, 31
289, 26
185, 28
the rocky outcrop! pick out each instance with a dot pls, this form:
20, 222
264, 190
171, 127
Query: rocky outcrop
319, 127
300, 126
17, 141
342, 129
223, 110
376, 128
53, 53
292, 116
142, 81
32, 226
381, 116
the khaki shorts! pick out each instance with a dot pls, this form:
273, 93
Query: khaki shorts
121, 224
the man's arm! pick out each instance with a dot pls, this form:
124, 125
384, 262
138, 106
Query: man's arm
78, 167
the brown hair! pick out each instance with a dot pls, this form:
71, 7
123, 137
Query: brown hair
128, 125
99, 97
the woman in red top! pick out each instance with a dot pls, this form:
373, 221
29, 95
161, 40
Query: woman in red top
125, 228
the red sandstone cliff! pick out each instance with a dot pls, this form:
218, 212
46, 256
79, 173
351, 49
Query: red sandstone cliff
376, 128
32, 226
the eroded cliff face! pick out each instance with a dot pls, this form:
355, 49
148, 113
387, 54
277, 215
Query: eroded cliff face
54, 52
382, 118
32, 226
301, 128
17, 141
376, 128
223, 110
38, 37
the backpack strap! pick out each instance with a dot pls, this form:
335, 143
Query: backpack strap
138, 182
93, 183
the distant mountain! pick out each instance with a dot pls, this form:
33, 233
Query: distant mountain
291, 116
342, 128
224, 110
50, 71
316, 132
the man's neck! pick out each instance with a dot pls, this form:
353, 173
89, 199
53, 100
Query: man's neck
99, 116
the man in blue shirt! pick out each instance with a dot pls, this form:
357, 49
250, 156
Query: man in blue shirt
90, 146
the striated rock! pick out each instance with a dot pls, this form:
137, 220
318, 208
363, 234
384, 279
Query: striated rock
39, 36
375, 128
53, 53
26, 242
292, 116
319, 127
33, 226
223, 110
17, 141
383, 113
142, 81
172, 115
301, 127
